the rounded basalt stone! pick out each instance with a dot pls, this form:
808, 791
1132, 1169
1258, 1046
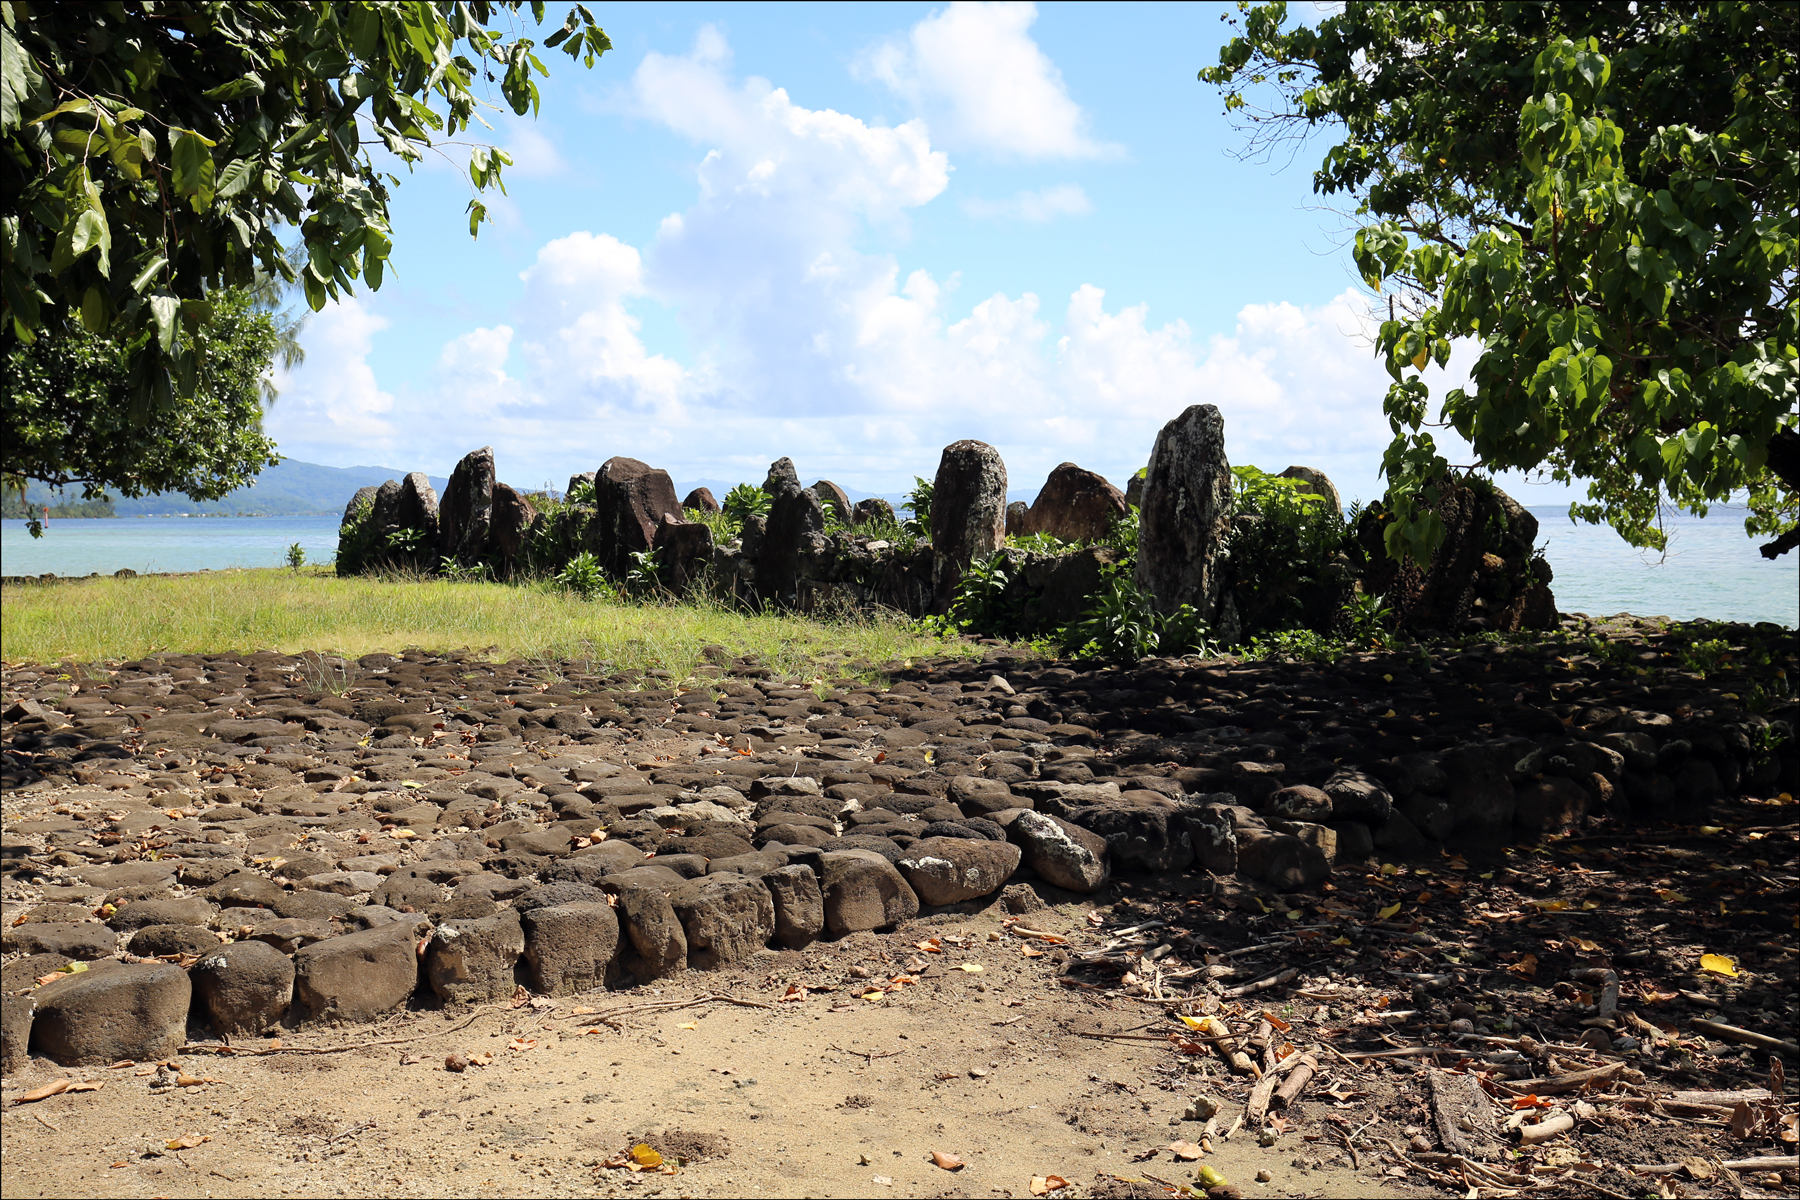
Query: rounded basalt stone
471, 961
549, 894
1063, 854
245, 987
245, 888
144, 913
949, 870
153, 941
136, 1011
726, 919
571, 947
863, 890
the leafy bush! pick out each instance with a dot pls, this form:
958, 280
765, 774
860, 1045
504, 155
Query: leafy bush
296, 556
1290, 561
1042, 543
1302, 644
1121, 626
584, 577
744, 501
918, 503
456, 572
979, 601
723, 530
581, 493
644, 576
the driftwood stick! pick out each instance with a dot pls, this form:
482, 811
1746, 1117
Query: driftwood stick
1549, 1127
1788, 1162
1263, 985
1296, 1082
1556, 1085
1747, 1037
1257, 1107
1234, 1057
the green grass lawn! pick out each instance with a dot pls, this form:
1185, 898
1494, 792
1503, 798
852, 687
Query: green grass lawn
108, 619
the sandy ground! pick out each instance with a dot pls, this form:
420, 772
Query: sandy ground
832, 1095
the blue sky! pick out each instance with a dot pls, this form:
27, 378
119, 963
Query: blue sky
851, 234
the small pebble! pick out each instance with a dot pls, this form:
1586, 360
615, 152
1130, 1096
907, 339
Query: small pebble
1263, 1177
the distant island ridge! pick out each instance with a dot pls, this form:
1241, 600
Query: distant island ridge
290, 488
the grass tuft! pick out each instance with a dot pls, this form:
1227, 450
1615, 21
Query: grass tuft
290, 612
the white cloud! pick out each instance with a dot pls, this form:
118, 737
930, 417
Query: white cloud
808, 345
975, 71
1045, 204
333, 401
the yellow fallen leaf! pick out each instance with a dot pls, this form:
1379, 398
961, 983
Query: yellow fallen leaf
1670, 896
644, 1156
1191, 1022
1712, 829
971, 968
1389, 869
1718, 964
1293, 914
1341, 941
1584, 945
873, 994
1389, 713
688, 1025
1387, 912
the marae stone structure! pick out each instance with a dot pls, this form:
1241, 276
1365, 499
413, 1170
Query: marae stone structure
449, 829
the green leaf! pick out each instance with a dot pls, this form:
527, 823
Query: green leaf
250, 85
235, 177
93, 311
165, 312
193, 168
148, 273
91, 232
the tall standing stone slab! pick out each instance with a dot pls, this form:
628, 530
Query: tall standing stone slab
466, 510
1075, 505
1186, 507
683, 550
795, 516
834, 498
417, 507
968, 514
630, 500
782, 473
507, 530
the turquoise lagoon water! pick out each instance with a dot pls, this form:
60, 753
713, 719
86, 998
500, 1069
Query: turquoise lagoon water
1711, 569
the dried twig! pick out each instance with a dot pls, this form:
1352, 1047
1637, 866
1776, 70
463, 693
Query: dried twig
1747, 1037
1789, 1162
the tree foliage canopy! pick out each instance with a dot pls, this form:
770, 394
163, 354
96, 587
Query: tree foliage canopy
1602, 196
153, 149
67, 417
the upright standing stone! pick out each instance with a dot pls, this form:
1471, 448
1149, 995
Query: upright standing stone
872, 509
683, 550
781, 473
417, 507
968, 513
364, 495
701, 500
1315, 482
794, 517
508, 526
834, 498
1015, 518
1187, 505
467, 508
1076, 505
630, 499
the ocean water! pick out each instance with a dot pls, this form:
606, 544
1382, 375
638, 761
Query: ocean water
1711, 569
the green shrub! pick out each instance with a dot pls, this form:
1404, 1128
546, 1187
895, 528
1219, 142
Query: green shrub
584, 577
1290, 561
744, 501
1120, 627
918, 503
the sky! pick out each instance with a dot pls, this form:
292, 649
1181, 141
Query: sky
853, 234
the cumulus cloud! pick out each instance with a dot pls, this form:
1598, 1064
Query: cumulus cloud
333, 401
810, 344
974, 71
1045, 204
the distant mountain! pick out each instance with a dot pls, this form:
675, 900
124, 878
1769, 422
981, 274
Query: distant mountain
289, 488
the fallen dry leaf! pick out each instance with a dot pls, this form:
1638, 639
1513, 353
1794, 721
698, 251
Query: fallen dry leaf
794, 994
971, 968
1043, 1185
481, 1060
55, 1087
644, 1157
1185, 1151
688, 1025
930, 946
189, 1142
947, 1161
1389, 911
1028, 952
1718, 964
